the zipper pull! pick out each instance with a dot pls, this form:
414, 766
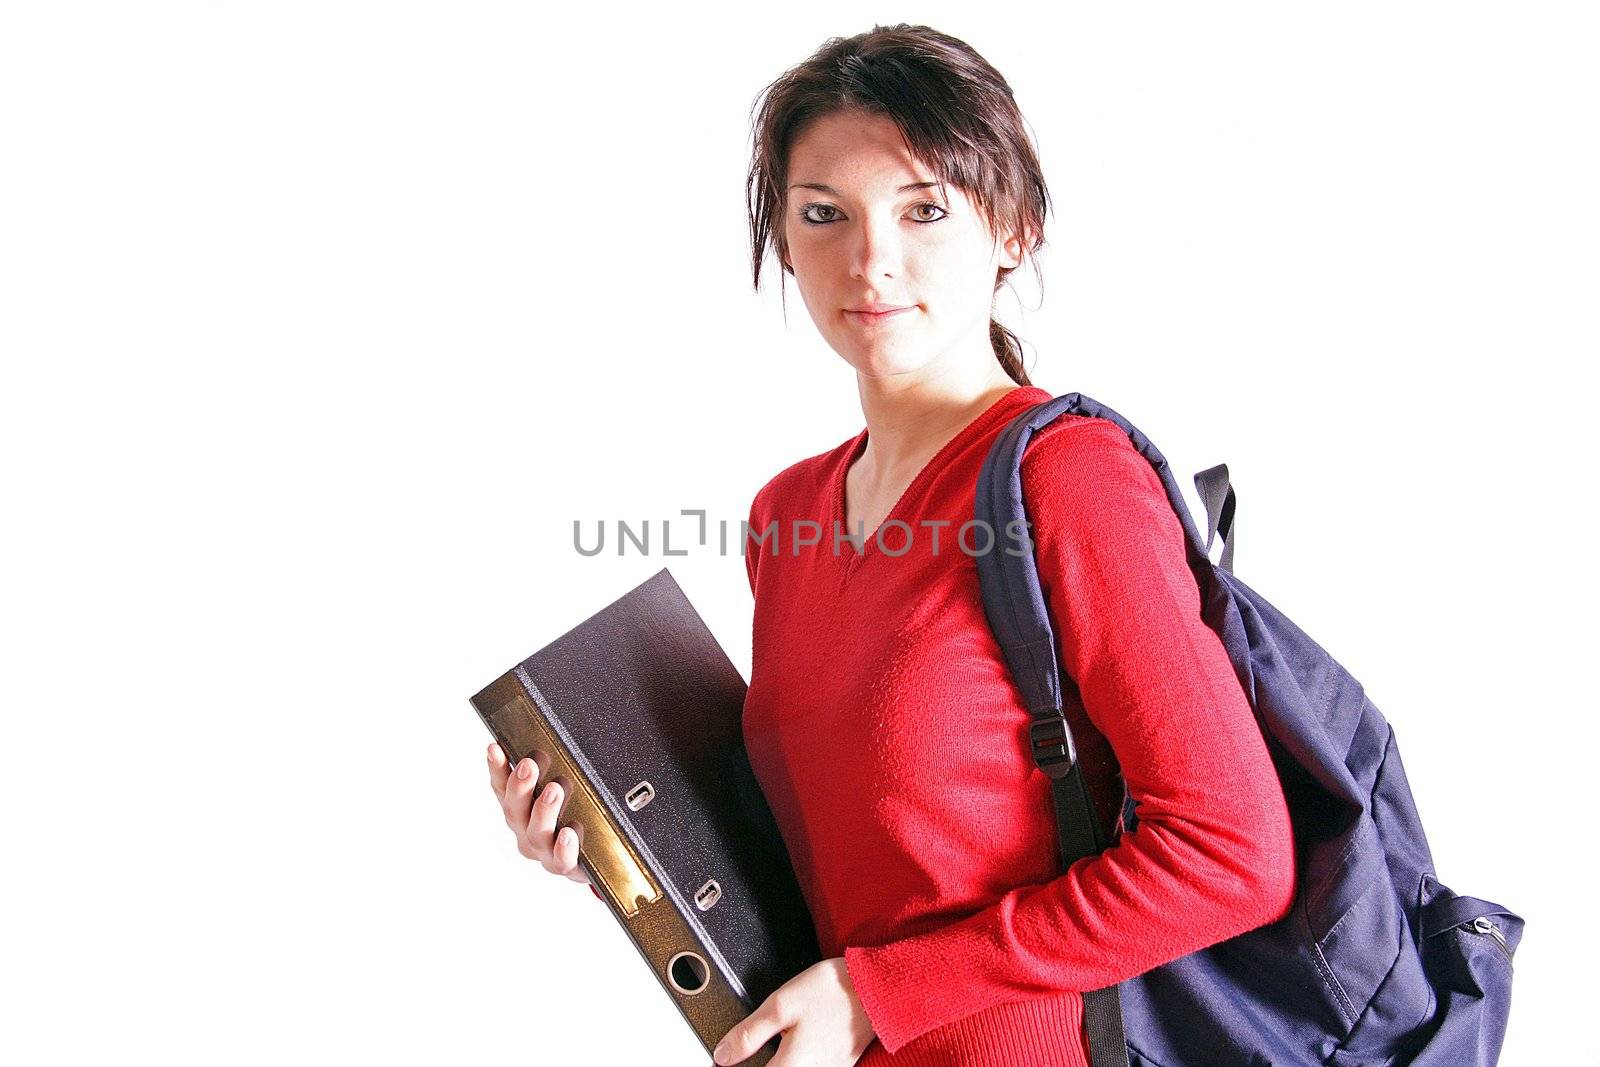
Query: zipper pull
1483, 925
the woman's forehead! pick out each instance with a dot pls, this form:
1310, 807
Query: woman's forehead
846, 144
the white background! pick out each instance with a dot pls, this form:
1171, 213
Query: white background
323, 322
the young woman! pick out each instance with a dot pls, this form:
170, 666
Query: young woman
893, 179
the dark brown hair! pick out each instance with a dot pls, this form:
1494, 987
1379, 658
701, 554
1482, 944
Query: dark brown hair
955, 112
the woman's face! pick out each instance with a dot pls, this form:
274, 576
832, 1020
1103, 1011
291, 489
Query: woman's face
866, 225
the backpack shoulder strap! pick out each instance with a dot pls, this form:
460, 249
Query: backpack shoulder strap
1014, 603
1017, 612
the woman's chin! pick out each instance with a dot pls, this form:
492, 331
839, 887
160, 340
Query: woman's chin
876, 365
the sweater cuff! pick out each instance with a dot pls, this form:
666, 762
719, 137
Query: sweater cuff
876, 999
891, 981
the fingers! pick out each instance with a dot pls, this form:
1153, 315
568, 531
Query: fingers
564, 860
532, 815
557, 851
541, 822
518, 797
499, 770
742, 1041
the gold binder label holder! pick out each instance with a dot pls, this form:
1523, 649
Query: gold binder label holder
609, 858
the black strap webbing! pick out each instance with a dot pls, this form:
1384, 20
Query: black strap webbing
1078, 829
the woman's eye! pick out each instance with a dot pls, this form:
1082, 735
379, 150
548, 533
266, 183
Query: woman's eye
919, 212
805, 212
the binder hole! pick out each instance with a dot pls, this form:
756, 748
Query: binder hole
688, 973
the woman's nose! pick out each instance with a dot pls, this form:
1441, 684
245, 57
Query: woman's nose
877, 250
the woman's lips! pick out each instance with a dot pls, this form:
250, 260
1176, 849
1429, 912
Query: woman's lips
870, 318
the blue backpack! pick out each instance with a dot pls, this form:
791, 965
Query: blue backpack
1378, 962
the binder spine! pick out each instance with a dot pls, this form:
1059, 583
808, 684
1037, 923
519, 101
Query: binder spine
662, 925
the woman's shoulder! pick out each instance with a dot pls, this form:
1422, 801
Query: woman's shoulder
1085, 449
1083, 477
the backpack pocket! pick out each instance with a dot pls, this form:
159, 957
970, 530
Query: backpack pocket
1378, 930
1466, 929
1363, 930
1467, 948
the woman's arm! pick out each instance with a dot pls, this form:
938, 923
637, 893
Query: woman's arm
1212, 856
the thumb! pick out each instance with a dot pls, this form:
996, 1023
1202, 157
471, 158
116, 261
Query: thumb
743, 1040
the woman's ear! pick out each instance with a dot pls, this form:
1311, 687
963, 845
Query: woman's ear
1013, 248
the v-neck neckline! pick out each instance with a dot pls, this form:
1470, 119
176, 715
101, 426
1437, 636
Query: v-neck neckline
854, 557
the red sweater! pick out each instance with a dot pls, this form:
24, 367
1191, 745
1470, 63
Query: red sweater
892, 745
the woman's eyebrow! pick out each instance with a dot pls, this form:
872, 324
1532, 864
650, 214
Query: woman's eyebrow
831, 191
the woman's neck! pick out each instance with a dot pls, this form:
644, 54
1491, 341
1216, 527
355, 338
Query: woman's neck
908, 421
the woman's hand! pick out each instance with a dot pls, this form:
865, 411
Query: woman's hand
821, 1018
534, 823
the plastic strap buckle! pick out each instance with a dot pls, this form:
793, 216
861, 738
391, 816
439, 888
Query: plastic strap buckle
1052, 745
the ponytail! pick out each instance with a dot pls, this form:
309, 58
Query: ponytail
1008, 350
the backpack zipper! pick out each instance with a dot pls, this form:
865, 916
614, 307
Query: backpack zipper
1484, 926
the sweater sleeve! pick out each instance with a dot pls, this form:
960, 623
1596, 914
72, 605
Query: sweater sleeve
1212, 855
